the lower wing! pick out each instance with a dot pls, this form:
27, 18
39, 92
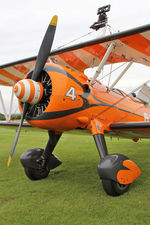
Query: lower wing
131, 129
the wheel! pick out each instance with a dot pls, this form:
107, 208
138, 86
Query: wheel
36, 174
113, 188
34, 168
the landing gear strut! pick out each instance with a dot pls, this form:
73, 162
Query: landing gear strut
38, 162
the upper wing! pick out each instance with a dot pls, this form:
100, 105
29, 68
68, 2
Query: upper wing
130, 45
131, 129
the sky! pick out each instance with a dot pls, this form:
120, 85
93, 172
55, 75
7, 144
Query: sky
23, 25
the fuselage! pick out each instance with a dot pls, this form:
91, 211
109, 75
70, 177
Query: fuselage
74, 103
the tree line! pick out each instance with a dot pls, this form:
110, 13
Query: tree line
13, 116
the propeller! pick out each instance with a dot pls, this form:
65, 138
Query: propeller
40, 62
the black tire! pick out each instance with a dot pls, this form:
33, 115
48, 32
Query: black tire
113, 188
36, 174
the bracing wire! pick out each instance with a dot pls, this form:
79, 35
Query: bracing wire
114, 70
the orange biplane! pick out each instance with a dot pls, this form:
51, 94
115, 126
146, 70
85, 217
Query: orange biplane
58, 96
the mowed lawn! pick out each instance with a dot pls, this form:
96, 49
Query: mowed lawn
72, 194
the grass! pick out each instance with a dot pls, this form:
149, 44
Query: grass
72, 194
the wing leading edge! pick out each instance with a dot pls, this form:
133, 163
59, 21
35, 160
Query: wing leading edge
131, 129
130, 45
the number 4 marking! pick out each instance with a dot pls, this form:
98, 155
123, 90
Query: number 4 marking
71, 93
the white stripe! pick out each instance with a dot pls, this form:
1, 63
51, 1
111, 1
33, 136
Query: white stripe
19, 90
37, 93
86, 57
146, 35
27, 91
15, 72
3, 78
58, 60
29, 65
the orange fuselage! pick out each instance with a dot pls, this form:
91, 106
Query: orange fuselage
74, 103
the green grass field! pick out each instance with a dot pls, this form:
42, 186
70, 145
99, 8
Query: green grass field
72, 194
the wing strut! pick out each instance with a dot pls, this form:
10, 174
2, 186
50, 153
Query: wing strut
102, 63
121, 75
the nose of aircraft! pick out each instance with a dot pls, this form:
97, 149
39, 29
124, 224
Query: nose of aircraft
28, 91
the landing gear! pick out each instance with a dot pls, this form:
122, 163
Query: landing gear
116, 171
105, 168
38, 162
113, 188
34, 174
34, 170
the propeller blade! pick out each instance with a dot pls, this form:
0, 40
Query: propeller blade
25, 109
45, 49
43, 54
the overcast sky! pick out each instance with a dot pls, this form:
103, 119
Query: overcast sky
23, 24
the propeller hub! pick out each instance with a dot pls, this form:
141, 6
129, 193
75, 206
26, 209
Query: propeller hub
28, 91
